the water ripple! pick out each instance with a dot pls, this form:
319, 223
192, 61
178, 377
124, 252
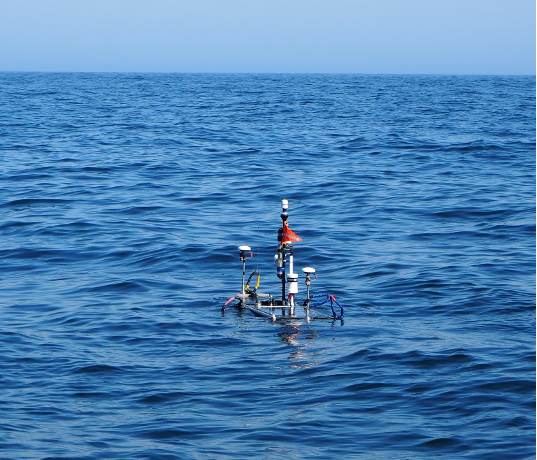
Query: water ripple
125, 197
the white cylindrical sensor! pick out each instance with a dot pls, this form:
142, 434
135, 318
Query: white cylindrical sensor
292, 283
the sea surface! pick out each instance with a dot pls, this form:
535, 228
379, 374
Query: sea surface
124, 197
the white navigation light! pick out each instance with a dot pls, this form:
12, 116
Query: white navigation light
285, 204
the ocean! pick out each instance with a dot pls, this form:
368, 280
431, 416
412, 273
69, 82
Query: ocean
124, 198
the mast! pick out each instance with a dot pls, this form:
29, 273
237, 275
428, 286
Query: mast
285, 253
280, 257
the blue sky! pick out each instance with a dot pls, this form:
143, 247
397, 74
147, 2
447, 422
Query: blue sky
332, 36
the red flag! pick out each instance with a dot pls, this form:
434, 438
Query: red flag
288, 235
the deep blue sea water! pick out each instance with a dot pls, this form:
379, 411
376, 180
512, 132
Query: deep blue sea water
123, 199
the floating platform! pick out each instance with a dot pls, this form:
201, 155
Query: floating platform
265, 306
286, 308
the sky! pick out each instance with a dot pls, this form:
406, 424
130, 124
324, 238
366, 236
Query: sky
276, 36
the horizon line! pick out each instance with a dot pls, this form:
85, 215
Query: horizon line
270, 73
